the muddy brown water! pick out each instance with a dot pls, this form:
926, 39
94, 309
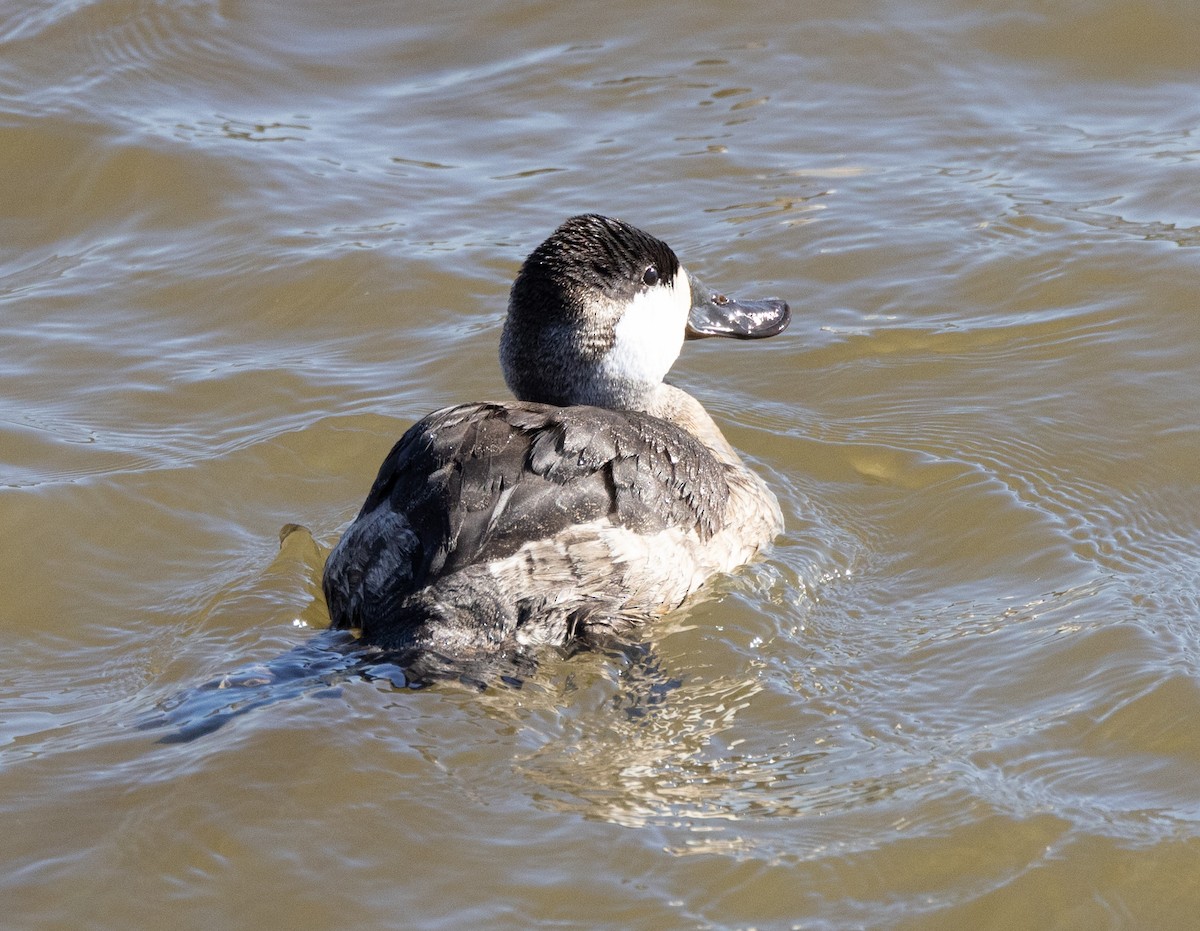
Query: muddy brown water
245, 243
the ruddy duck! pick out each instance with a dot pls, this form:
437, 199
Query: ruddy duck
600, 498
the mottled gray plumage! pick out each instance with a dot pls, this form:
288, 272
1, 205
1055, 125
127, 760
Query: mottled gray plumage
601, 498
472, 484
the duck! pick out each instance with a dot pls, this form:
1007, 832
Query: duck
599, 499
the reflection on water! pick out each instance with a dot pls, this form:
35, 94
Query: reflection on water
247, 244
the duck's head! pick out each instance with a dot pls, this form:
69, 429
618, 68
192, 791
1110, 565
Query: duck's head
599, 312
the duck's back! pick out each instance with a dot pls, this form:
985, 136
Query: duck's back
522, 522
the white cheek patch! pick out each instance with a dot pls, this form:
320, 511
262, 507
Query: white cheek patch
649, 335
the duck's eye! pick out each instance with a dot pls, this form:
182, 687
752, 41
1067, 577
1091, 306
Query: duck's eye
650, 276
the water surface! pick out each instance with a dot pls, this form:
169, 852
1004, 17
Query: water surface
246, 243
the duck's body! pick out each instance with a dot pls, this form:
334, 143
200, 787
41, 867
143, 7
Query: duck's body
602, 498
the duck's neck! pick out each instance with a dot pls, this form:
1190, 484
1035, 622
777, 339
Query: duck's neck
680, 408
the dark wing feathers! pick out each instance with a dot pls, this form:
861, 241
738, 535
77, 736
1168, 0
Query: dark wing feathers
478, 480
